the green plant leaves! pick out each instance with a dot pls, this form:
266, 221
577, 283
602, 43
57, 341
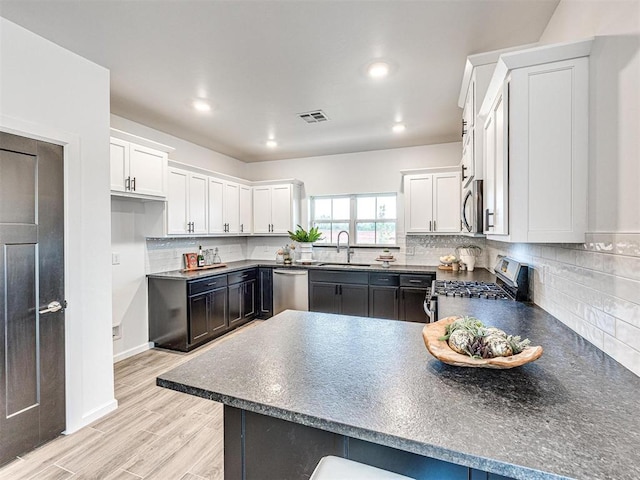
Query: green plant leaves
301, 235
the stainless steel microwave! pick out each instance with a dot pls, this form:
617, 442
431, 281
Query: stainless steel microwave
471, 215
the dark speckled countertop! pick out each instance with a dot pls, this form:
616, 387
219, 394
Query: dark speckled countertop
574, 413
235, 266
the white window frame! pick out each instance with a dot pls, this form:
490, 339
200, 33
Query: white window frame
353, 221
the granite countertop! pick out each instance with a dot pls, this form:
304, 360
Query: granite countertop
477, 275
571, 414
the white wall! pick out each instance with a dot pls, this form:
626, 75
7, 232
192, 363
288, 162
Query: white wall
361, 172
49, 93
185, 152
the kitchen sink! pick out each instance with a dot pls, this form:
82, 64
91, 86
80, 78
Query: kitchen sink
358, 265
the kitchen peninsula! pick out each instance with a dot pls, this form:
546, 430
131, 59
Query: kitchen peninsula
303, 385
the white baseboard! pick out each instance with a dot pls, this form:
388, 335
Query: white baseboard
132, 351
92, 416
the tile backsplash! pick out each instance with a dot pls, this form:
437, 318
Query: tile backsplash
593, 288
165, 254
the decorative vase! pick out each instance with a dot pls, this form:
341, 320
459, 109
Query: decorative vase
306, 251
469, 260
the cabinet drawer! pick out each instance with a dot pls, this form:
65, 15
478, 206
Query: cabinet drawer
422, 281
209, 283
243, 276
339, 276
384, 279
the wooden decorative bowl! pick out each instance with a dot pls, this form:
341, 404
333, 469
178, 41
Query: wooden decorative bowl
441, 350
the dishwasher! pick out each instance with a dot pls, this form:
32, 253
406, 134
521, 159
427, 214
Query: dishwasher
290, 290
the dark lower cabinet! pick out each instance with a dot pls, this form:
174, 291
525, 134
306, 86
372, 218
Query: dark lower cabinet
242, 297
354, 299
265, 292
412, 304
260, 447
242, 302
383, 295
186, 314
198, 313
395, 296
413, 289
323, 297
207, 315
383, 302
349, 296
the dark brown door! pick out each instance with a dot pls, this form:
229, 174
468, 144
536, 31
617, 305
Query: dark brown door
32, 383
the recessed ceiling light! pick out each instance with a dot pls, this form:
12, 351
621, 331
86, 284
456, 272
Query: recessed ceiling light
399, 127
201, 106
378, 70
272, 143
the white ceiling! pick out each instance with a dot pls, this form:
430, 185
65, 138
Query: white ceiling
262, 62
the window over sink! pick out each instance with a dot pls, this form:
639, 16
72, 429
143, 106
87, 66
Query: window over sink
370, 219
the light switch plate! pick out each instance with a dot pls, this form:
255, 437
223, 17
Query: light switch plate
115, 258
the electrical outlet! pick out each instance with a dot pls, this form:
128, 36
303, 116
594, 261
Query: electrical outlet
411, 251
116, 332
115, 258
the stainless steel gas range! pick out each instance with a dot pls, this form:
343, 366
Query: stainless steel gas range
512, 284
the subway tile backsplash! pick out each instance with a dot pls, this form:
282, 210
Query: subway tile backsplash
594, 288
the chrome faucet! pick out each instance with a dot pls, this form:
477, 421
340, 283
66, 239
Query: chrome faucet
349, 252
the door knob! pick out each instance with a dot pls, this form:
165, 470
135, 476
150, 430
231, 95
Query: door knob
51, 308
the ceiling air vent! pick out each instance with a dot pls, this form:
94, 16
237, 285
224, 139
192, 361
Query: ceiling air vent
313, 117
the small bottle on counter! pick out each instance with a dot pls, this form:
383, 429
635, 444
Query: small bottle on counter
216, 257
200, 257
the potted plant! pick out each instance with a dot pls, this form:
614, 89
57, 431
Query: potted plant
305, 239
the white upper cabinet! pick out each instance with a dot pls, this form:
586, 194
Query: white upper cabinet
276, 208
535, 132
477, 75
446, 203
137, 171
418, 203
119, 155
246, 209
187, 196
432, 203
224, 206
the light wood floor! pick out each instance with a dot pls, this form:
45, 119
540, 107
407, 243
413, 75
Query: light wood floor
154, 434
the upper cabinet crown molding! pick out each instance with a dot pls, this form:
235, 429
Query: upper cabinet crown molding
480, 59
210, 173
145, 142
529, 58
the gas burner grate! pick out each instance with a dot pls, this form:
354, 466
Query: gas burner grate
458, 288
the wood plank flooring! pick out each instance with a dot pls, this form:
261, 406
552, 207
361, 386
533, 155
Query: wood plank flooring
155, 433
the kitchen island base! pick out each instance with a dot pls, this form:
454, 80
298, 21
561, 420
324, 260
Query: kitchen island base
261, 447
